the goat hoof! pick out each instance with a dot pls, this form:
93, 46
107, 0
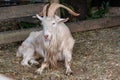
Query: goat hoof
34, 62
37, 63
38, 71
26, 65
69, 73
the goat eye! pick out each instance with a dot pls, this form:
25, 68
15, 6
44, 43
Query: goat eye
53, 23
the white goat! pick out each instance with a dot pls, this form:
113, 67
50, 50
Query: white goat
58, 41
55, 41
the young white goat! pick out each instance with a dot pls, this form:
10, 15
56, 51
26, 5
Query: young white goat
55, 41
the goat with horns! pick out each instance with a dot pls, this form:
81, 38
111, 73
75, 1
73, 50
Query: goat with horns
55, 42
58, 41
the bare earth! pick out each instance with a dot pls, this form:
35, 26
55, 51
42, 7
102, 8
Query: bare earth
96, 56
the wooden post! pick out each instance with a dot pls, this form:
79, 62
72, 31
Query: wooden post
54, 1
20, 11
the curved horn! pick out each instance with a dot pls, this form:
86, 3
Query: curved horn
45, 10
54, 6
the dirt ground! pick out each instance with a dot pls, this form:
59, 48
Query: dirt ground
96, 56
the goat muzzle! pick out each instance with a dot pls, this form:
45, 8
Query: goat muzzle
46, 37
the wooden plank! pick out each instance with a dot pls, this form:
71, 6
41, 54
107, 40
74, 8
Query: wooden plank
13, 36
95, 24
20, 11
114, 11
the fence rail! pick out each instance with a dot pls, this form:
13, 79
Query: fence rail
19, 35
14, 12
20, 11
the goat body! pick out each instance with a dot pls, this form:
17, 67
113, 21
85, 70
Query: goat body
58, 45
53, 43
58, 48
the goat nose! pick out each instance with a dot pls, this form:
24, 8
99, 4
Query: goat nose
46, 36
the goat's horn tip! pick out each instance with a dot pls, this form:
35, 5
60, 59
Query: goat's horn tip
34, 17
77, 14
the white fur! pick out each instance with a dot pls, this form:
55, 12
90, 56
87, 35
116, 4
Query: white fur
27, 49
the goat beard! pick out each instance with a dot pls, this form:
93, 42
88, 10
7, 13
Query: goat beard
51, 52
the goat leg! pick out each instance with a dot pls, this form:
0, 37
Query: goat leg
68, 58
33, 62
25, 61
43, 66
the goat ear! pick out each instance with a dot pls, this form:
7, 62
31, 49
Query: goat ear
63, 20
39, 17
